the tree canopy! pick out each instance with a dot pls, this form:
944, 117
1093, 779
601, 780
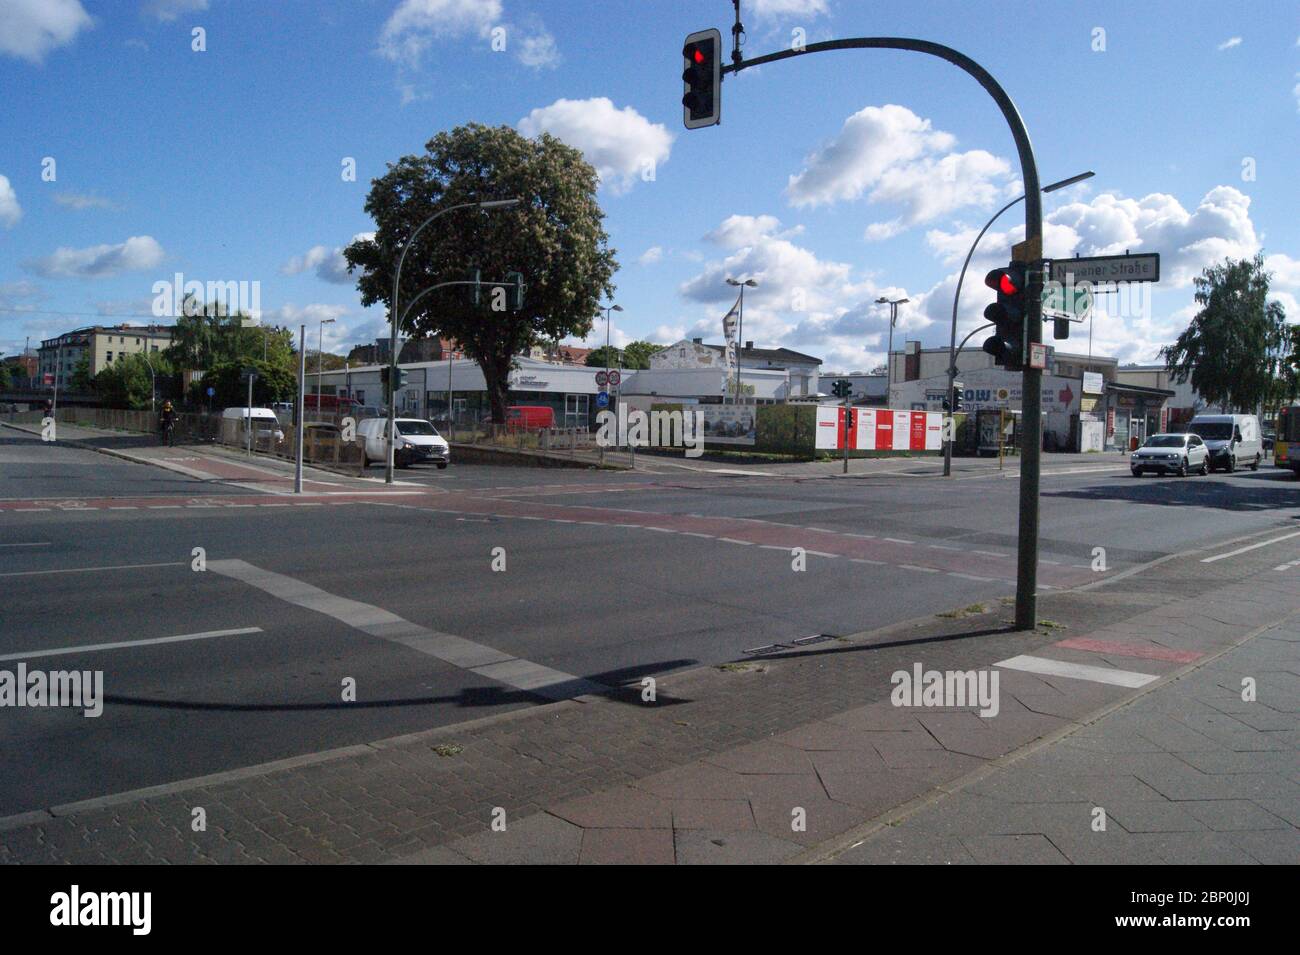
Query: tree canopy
555, 238
635, 355
1234, 347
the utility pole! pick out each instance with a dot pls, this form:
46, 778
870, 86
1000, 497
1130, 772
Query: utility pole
889, 355
302, 406
320, 361
608, 312
740, 331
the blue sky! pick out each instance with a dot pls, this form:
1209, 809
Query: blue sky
834, 179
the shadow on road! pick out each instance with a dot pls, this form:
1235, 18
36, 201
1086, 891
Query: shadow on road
1266, 491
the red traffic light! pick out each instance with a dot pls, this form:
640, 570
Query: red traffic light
1004, 281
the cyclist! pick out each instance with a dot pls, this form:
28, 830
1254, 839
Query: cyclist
166, 420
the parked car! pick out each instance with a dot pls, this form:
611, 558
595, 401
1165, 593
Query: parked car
1233, 440
1171, 453
417, 440
264, 421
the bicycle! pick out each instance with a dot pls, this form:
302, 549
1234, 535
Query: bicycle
168, 434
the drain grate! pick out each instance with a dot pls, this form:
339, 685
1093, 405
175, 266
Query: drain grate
796, 644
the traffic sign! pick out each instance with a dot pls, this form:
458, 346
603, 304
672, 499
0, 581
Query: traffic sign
1141, 267
211, 391
1038, 356
615, 377
1068, 300
602, 399
602, 379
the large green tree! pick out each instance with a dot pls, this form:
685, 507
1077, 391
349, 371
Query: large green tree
275, 381
1232, 349
128, 382
555, 238
205, 334
635, 355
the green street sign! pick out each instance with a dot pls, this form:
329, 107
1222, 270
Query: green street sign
1072, 302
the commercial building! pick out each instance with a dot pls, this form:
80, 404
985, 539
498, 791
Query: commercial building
570, 390
101, 344
1086, 404
801, 370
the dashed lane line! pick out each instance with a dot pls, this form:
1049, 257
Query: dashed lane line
128, 644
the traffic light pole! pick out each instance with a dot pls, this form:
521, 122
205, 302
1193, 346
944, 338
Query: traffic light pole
1031, 252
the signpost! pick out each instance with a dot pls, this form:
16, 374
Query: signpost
249, 374
1141, 267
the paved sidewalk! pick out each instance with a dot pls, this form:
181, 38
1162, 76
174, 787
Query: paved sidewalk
1189, 773
789, 756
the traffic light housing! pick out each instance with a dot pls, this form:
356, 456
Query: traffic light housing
400, 383
1007, 343
1061, 328
515, 291
848, 419
702, 74
842, 388
956, 400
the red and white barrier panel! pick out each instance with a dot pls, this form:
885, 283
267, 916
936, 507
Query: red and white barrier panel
879, 429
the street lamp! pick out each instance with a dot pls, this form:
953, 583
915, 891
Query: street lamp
489, 206
740, 331
320, 359
952, 344
608, 310
889, 354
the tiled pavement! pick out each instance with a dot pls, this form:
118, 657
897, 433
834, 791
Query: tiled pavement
795, 756
1189, 773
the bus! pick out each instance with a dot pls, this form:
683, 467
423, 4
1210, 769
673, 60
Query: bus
1286, 447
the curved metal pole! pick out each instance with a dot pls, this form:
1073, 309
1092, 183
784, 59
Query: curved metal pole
1031, 388
392, 343
952, 342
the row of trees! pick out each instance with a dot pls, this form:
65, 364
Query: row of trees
1239, 352
635, 356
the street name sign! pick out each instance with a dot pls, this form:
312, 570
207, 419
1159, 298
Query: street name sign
1142, 267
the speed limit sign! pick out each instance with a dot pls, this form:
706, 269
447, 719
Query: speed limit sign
602, 379
614, 377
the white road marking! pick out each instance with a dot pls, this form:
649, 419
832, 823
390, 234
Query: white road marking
126, 644
1242, 550
457, 651
86, 570
29, 544
1078, 671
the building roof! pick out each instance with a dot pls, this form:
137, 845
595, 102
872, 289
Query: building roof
773, 354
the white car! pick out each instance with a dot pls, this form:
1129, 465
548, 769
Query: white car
1176, 453
417, 440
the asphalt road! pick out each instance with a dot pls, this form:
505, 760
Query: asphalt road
608, 577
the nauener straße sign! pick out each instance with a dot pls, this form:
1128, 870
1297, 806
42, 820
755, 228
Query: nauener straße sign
1100, 269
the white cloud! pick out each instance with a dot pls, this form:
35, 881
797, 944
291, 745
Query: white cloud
328, 264
651, 255
891, 155
97, 261
537, 50
801, 301
31, 28
79, 201
1230, 43
1295, 91
621, 143
170, 10
772, 9
416, 24
10, 210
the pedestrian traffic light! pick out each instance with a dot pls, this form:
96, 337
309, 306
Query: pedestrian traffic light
1007, 343
956, 400
515, 291
702, 74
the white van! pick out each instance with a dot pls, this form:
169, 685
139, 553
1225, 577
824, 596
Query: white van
264, 421
1233, 439
417, 440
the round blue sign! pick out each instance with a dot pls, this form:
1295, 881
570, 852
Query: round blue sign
602, 399
211, 391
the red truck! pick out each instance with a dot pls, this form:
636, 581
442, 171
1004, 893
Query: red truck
529, 417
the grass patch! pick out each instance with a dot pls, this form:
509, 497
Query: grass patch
449, 749
970, 611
